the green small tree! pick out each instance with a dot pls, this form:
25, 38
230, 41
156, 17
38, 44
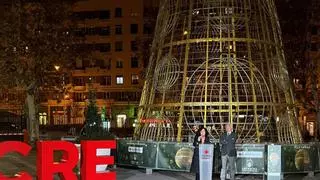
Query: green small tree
93, 126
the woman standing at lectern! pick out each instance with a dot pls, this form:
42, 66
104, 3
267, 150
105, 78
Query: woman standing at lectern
202, 137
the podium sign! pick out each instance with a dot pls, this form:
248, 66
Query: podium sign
205, 161
274, 162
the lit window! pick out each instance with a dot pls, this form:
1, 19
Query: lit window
43, 118
121, 120
119, 80
310, 128
134, 79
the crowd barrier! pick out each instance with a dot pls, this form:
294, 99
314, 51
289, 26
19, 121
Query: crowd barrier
251, 158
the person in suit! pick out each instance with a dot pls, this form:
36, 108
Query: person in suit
228, 152
202, 137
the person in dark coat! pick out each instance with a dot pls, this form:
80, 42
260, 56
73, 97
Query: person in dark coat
228, 152
202, 137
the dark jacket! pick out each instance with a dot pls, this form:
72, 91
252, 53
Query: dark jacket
195, 158
227, 144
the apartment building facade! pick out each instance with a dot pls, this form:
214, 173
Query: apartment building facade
300, 25
118, 33
310, 116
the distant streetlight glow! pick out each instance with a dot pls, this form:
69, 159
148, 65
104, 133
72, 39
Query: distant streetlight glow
57, 67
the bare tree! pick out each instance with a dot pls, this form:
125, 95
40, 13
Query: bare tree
35, 36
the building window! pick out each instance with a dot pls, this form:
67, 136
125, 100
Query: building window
91, 31
43, 118
118, 12
314, 47
59, 116
79, 32
79, 97
121, 120
134, 79
104, 14
310, 128
118, 46
100, 95
104, 31
134, 28
78, 81
134, 14
108, 63
134, 46
100, 63
119, 79
105, 80
108, 80
147, 29
90, 14
86, 63
119, 64
118, 29
314, 30
102, 80
134, 62
105, 47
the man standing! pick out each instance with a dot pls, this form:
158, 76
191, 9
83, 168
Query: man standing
228, 152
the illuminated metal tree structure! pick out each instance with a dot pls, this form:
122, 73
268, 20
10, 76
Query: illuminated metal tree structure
214, 62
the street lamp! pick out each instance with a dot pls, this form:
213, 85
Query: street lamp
57, 67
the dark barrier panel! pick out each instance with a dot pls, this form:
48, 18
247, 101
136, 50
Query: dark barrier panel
137, 153
250, 158
297, 158
174, 156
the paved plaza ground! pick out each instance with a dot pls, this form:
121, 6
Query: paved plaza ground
13, 163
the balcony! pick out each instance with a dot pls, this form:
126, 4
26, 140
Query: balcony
93, 85
79, 88
315, 38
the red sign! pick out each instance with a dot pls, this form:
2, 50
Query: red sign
46, 167
206, 152
155, 121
